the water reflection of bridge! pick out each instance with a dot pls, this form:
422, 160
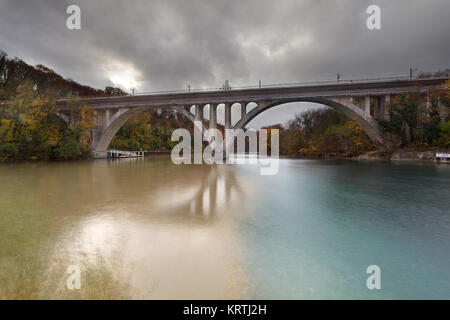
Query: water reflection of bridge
212, 191
215, 190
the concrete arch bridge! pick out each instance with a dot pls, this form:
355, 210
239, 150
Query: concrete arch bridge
354, 98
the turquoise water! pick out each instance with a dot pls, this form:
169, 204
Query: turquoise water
318, 225
149, 229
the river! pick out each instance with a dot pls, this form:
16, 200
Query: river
145, 228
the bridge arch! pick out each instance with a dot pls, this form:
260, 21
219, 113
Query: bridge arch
344, 105
103, 136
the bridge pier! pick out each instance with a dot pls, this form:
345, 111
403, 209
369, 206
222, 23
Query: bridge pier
385, 102
198, 112
213, 116
367, 105
99, 154
243, 110
227, 115
381, 107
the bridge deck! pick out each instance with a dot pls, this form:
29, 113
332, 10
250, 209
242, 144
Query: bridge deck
251, 94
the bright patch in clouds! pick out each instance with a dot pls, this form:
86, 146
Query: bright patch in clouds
123, 75
274, 47
291, 45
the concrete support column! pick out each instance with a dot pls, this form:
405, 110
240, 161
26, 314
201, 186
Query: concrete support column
367, 106
198, 112
104, 116
227, 115
212, 116
107, 117
386, 102
428, 104
98, 116
243, 109
99, 154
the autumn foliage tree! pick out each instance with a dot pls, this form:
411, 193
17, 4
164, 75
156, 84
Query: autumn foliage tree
30, 128
150, 130
29, 125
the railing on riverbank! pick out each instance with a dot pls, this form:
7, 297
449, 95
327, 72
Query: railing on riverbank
443, 157
125, 154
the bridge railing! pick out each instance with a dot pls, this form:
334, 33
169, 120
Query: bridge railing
278, 85
292, 84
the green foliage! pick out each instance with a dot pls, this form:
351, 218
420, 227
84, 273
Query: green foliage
114, 91
31, 130
69, 148
348, 139
417, 126
29, 126
149, 131
444, 134
8, 151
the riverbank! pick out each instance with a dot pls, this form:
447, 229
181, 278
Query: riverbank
399, 155
403, 155
375, 155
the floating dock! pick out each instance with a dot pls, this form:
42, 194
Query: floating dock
125, 154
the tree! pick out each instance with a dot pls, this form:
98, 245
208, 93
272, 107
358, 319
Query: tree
114, 91
31, 129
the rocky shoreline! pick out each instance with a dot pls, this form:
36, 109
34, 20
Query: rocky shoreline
401, 155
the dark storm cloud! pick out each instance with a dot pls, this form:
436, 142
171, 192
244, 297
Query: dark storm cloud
203, 42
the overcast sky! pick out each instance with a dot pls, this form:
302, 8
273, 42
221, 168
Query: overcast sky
167, 44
